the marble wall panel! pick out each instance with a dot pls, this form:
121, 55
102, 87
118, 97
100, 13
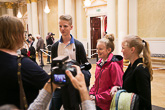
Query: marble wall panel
151, 18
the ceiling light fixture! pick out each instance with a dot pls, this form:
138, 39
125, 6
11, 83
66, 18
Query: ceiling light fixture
46, 10
87, 3
19, 15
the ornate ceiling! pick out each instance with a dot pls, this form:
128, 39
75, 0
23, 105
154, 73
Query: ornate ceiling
12, 0
11, 3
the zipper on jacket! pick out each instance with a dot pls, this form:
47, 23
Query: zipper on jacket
99, 78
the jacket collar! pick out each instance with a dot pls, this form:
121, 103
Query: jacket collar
108, 60
139, 60
71, 40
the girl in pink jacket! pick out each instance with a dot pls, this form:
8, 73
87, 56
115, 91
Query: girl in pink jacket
109, 72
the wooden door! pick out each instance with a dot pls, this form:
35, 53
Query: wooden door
95, 24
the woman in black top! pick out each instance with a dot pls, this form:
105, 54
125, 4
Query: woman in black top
137, 77
33, 77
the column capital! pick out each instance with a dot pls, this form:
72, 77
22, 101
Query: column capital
33, 0
9, 5
28, 1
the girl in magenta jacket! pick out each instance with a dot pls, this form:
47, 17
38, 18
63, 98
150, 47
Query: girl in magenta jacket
109, 72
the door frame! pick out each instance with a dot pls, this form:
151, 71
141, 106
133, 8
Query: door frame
89, 32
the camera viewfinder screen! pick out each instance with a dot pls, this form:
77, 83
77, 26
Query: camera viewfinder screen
60, 78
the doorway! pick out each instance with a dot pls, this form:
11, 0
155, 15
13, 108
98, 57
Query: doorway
97, 29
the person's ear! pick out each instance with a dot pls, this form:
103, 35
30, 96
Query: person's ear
109, 50
132, 49
71, 27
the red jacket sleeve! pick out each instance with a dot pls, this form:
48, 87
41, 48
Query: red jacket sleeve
92, 90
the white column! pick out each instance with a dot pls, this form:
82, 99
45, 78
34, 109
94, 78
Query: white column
45, 19
40, 19
133, 17
111, 19
79, 9
88, 37
111, 16
73, 14
9, 6
68, 7
34, 19
10, 12
3, 9
61, 10
61, 7
122, 22
29, 12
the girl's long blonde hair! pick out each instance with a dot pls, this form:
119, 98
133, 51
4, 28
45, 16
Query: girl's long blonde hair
141, 46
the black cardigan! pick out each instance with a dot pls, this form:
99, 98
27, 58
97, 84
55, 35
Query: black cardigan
80, 51
136, 79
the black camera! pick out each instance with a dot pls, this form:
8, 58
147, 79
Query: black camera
60, 65
70, 96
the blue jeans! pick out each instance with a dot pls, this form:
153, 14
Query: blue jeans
56, 101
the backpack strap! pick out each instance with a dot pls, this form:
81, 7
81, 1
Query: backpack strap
139, 64
23, 102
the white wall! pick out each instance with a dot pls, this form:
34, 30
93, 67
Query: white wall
157, 45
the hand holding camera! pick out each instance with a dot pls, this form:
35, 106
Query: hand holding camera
79, 83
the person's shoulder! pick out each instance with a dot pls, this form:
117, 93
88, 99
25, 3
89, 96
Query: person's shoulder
55, 44
141, 70
139, 67
31, 67
77, 42
26, 62
42, 39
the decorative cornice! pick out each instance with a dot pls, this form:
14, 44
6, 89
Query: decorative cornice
9, 5
33, 0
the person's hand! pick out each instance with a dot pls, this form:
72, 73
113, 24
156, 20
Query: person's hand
92, 97
78, 81
114, 90
47, 86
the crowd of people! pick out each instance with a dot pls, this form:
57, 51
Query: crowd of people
29, 48
109, 74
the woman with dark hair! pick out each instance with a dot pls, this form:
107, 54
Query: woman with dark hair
33, 77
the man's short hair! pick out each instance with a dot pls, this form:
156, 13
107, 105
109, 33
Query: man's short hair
37, 35
67, 18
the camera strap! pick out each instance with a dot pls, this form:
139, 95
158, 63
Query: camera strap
23, 102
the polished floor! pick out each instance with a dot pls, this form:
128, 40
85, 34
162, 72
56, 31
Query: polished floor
157, 85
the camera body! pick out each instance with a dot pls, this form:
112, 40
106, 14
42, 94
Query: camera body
70, 96
59, 66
